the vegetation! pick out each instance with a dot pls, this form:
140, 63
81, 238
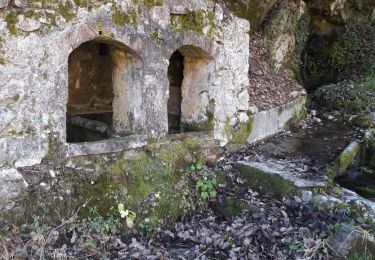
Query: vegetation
11, 19
197, 20
349, 96
341, 56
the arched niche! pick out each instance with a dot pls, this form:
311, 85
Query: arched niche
100, 85
190, 75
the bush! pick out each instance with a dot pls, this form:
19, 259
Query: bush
349, 96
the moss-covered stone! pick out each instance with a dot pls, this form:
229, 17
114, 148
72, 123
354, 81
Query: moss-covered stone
152, 3
130, 17
197, 20
363, 121
265, 182
344, 160
151, 183
11, 19
242, 133
253, 10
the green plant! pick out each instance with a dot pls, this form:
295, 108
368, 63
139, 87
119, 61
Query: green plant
207, 188
229, 239
366, 171
102, 225
292, 244
127, 214
194, 167
146, 225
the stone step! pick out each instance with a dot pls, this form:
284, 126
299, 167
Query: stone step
275, 178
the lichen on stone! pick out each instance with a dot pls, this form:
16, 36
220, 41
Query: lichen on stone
242, 133
120, 18
152, 3
196, 20
11, 19
66, 10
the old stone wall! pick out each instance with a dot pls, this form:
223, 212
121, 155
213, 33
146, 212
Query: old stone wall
37, 38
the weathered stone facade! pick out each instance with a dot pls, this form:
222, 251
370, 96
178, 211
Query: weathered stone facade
37, 38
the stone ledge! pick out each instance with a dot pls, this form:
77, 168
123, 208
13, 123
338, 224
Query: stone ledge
107, 146
270, 122
273, 178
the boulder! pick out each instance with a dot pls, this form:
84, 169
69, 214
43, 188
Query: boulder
12, 184
363, 121
352, 242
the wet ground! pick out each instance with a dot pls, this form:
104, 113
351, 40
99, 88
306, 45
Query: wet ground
305, 152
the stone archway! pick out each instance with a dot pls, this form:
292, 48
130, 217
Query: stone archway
190, 75
100, 79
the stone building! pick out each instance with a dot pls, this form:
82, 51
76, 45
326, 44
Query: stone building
87, 77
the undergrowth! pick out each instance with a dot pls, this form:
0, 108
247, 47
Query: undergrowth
349, 96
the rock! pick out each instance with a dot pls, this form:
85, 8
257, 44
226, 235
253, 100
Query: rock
349, 242
267, 177
90, 124
293, 94
372, 114
369, 153
307, 195
363, 121
317, 120
20, 3
344, 160
28, 24
6, 116
253, 109
313, 113
12, 184
4, 3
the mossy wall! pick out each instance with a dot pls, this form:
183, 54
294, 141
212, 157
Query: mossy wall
253, 10
151, 182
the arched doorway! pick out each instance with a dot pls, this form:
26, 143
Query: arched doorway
190, 77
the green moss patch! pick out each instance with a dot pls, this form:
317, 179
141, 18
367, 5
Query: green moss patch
242, 133
152, 183
196, 20
11, 19
344, 160
129, 18
66, 10
152, 3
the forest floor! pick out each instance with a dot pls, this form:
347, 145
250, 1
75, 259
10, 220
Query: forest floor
239, 224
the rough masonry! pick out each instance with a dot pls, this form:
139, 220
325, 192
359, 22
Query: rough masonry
45, 46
